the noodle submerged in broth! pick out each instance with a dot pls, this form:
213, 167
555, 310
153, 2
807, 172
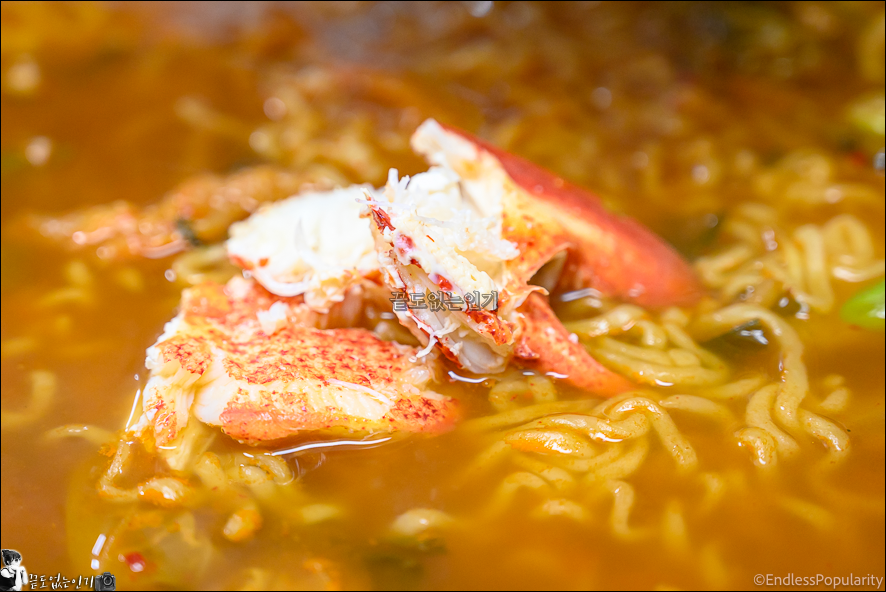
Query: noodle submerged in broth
746, 435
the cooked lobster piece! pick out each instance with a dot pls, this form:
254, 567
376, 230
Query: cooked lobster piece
264, 367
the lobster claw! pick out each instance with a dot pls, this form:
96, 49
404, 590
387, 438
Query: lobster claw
547, 215
546, 347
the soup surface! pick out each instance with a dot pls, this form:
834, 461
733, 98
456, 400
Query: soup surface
742, 133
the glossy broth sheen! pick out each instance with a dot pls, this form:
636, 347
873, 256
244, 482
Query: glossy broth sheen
672, 114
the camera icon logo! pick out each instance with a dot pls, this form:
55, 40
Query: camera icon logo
106, 581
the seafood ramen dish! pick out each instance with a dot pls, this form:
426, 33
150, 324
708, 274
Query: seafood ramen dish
456, 295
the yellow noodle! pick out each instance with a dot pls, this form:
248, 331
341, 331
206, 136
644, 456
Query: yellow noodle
602, 408
679, 337
629, 360
165, 491
509, 487
242, 524
525, 414
643, 354
284, 501
67, 295
43, 389
504, 395
698, 405
388, 330
675, 316
93, 434
106, 487
17, 346
858, 273
209, 469
715, 490
317, 513
248, 474
651, 335
620, 467
486, 460
600, 429
804, 262
131, 279
258, 579
811, 513
670, 436
584, 465
766, 292
549, 442
714, 269
745, 278
795, 384
843, 497
562, 481
713, 570
276, 466
203, 264
200, 114
758, 414
618, 320
852, 248
77, 273
791, 265
833, 381
762, 444
195, 439
674, 533
816, 275
834, 438
419, 521
738, 389
836, 400
542, 388
562, 507
623, 500
683, 358
184, 525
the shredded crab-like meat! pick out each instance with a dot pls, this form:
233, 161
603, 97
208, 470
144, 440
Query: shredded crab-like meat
483, 222
312, 244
